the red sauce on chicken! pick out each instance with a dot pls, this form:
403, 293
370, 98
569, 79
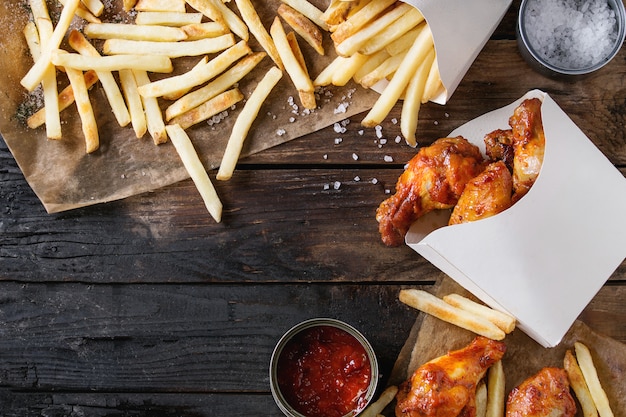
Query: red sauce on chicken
324, 371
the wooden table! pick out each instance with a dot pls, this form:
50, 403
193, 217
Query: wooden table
147, 307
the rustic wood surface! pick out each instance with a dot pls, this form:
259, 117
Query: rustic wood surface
146, 307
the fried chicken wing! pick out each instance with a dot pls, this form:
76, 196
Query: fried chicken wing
499, 146
528, 145
486, 195
433, 179
546, 394
446, 386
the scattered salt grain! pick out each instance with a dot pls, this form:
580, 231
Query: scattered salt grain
292, 119
398, 139
355, 157
338, 141
388, 158
357, 178
280, 132
336, 185
374, 181
326, 187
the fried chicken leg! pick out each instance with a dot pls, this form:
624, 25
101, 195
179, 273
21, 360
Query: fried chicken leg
433, 179
545, 394
446, 386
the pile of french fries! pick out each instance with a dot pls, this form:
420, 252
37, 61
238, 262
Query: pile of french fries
134, 65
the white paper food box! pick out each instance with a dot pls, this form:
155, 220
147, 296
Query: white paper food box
546, 257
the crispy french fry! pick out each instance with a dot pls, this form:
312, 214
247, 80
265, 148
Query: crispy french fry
196, 170
303, 26
85, 110
252, 19
215, 87
39, 9
129, 4
204, 30
160, 6
590, 373
349, 69
201, 73
393, 32
169, 49
133, 100
236, 25
244, 121
208, 109
337, 12
383, 401
111, 89
481, 398
96, 7
382, 71
175, 19
134, 32
496, 390
504, 321
578, 384
404, 42
295, 48
430, 304
359, 19
413, 100
152, 63
309, 10
326, 76
83, 12
373, 62
392, 92
154, 116
208, 9
433, 83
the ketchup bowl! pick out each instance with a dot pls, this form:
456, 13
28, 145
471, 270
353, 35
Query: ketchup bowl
323, 368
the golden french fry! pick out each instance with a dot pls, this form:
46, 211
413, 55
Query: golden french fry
393, 32
382, 71
96, 7
215, 87
154, 116
297, 52
433, 83
36, 73
496, 390
590, 373
39, 9
404, 42
337, 12
372, 62
430, 304
152, 63
481, 398
578, 384
65, 99
85, 110
392, 92
160, 6
208, 109
169, 49
236, 25
383, 401
252, 19
504, 321
303, 26
133, 100
359, 19
244, 121
129, 4
109, 85
351, 65
413, 100
175, 19
201, 73
134, 32
83, 12
193, 165
309, 10
204, 30
208, 9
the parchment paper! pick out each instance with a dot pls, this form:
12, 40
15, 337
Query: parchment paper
432, 337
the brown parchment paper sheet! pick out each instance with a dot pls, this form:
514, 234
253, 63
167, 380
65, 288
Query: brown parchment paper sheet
431, 337
64, 177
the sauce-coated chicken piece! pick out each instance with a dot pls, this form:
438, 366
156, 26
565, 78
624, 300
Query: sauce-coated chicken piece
528, 145
546, 394
446, 386
499, 146
486, 195
433, 179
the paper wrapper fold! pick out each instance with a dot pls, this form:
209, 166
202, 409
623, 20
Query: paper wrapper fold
546, 257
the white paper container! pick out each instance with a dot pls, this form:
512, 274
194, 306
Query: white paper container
545, 258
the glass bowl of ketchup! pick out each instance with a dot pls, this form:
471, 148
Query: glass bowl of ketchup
323, 368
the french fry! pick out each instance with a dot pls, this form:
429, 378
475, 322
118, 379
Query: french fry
481, 398
433, 83
496, 390
169, 49
208, 9
326, 76
134, 32
236, 25
578, 384
588, 369
83, 12
349, 69
413, 100
430, 304
359, 19
393, 32
404, 42
160, 6
85, 110
152, 63
175, 19
201, 73
383, 401
295, 48
303, 26
96, 7
298, 75
337, 12
194, 167
502, 320
129, 4
373, 62
36, 73
39, 9
244, 121
252, 19
109, 85
392, 92
154, 116
208, 109
215, 87
382, 71
204, 30
133, 100
309, 10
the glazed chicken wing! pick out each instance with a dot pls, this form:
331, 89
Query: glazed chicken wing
546, 394
487, 194
433, 179
446, 386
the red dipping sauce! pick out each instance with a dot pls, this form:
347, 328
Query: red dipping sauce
324, 371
